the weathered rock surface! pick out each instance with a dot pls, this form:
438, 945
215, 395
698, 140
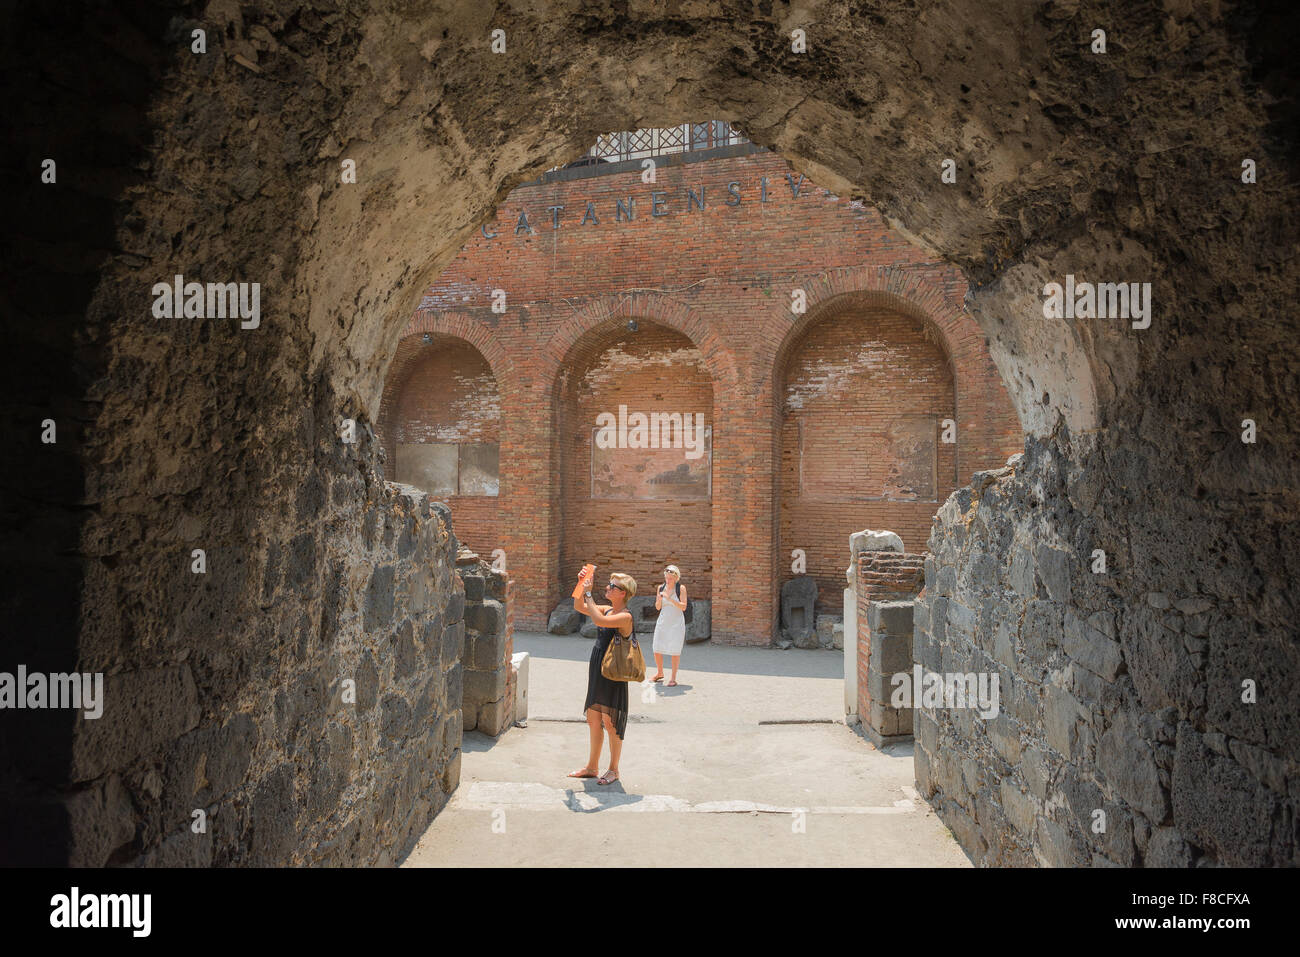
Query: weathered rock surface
565, 620
1105, 693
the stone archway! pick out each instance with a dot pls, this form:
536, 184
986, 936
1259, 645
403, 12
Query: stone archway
188, 435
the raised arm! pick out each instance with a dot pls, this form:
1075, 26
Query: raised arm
600, 614
676, 602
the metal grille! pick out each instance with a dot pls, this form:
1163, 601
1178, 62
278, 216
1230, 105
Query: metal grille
639, 144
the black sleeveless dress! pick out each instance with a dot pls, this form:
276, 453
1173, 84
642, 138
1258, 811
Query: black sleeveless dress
609, 697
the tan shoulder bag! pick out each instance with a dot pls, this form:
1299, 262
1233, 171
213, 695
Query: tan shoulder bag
623, 661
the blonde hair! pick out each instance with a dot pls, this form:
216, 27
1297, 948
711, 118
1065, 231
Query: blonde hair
675, 570
627, 581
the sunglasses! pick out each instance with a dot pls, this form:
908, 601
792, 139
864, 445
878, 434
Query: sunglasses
615, 585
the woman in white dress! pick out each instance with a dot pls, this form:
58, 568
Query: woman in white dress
670, 629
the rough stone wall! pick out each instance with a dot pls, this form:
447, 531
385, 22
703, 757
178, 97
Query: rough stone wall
489, 696
1120, 691
326, 730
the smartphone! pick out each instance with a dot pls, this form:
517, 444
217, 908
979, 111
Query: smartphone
584, 577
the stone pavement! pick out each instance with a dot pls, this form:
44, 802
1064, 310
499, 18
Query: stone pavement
747, 762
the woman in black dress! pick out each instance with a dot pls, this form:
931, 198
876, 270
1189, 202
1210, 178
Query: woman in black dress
606, 705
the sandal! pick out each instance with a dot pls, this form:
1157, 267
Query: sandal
671, 684
580, 774
606, 778
659, 678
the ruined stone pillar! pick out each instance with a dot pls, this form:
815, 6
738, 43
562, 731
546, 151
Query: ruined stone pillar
884, 574
488, 703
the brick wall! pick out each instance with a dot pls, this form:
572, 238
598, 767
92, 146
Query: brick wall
653, 370
720, 278
854, 379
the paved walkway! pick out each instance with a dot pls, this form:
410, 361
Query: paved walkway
747, 762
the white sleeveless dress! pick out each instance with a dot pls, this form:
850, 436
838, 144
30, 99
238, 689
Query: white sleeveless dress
670, 630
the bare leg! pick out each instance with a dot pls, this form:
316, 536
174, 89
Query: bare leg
597, 734
615, 746
676, 658
659, 665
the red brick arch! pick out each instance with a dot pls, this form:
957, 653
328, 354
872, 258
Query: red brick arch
656, 307
987, 419
588, 332
989, 428
410, 349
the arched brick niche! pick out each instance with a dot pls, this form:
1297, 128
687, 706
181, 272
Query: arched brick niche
441, 423
904, 350
635, 509
864, 393
988, 426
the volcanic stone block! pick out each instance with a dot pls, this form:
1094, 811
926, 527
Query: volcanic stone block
1090, 648
395, 718
273, 815
492, 717
1222, 808
890, 653
455, 607
205, 765
1061, 712
826, 630
588, 629
700, 626
644, 614
453, 643
798, 600
379, 599
565, 619
100, 820
1053, 571
143, 711
486, 618
1166, 848
488, 651
455, 685
451, 773
474, 585
483, 686
1018, 807
1129, 764
890, 618
1053, 846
